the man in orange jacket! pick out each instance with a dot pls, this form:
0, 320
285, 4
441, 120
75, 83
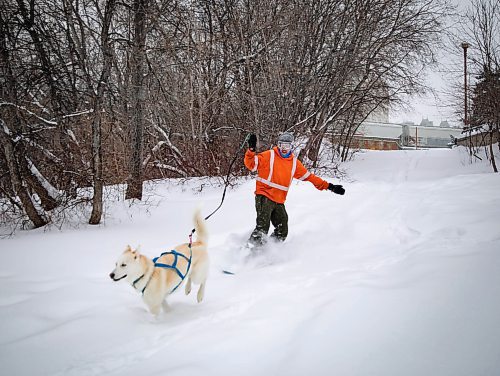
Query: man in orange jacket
276, 168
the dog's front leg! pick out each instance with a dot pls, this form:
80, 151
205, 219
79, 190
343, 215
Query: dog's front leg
188, 286
201, 292
154, 303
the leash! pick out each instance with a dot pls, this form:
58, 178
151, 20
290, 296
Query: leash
177, 254
226, 182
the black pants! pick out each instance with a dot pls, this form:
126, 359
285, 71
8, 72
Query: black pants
268, 212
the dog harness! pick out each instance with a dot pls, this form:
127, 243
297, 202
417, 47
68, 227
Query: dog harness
174, 264
167, 266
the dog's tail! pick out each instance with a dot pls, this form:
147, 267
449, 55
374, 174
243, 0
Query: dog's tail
200, 227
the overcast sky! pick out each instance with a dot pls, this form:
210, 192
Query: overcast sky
435, 106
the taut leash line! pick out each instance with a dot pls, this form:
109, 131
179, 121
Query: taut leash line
226, 182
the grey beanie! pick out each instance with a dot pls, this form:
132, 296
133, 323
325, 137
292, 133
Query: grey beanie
286, 137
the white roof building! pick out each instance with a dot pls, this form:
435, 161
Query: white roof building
408, 134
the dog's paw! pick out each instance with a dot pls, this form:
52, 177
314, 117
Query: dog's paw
155, 310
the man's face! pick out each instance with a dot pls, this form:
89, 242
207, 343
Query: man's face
284, 147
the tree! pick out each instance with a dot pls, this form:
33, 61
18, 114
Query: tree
97, 163
19, 120
486, 109
483, 28
100, 92
138, 60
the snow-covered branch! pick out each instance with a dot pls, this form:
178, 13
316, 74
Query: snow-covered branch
51, 190
78, 113
154, 150
46, 121
170, 168
45, 151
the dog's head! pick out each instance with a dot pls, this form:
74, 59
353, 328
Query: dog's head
128, 264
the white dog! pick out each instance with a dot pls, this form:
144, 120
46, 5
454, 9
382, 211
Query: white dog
160, 277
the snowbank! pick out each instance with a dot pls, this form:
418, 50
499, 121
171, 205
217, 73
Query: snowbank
397, 277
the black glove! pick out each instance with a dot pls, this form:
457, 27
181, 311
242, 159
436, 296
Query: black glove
252, 142
338, 189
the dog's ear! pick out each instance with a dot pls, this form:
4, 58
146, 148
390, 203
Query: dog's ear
128, 248
136, 252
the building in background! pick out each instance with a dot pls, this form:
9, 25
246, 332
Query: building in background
377, 133
390, 136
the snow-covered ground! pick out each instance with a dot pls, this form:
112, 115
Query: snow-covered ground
401, 276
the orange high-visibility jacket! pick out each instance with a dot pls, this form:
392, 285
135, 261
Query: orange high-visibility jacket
275, 173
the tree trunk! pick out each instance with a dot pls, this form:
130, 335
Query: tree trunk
97, 206
16, 181
492, 155
311, 150
134, 184
313, 153
96, 215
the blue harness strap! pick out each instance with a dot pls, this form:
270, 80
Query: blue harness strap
174, 264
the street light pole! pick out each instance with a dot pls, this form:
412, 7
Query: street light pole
465, 45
